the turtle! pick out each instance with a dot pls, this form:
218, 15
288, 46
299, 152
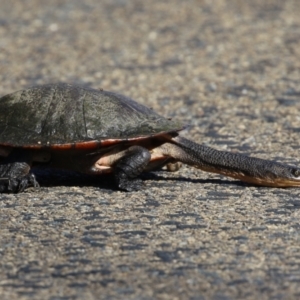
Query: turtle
94, 131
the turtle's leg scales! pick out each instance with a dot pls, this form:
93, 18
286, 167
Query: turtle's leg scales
18, 185
131, 165
14, 173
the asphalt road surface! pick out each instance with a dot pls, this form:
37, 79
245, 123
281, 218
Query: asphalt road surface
229, 69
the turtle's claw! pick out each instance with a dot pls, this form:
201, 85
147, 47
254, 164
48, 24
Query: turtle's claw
17, 185
128, 184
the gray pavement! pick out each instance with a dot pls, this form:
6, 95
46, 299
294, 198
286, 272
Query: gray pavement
230, 69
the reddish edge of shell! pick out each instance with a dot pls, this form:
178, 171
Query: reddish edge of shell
91, 144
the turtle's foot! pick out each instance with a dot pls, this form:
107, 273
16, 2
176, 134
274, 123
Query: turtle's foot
17, 185
128, 184
173, 167
131, 165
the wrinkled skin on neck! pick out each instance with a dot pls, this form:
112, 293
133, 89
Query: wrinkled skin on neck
249, 169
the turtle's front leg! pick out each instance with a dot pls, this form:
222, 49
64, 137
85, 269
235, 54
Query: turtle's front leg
14, 173
131, 165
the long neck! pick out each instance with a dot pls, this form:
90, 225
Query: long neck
249, 169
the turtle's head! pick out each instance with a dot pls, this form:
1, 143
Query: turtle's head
266, 173
276, 175
287, 176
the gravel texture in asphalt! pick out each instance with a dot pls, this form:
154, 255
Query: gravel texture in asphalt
229, 69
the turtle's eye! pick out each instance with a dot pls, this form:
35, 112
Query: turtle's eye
296, 172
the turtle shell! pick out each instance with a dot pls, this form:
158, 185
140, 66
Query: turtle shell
60, 114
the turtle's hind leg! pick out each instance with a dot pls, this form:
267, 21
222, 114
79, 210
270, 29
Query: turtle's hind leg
14, 172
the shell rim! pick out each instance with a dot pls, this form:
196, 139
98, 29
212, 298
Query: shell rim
94, 143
